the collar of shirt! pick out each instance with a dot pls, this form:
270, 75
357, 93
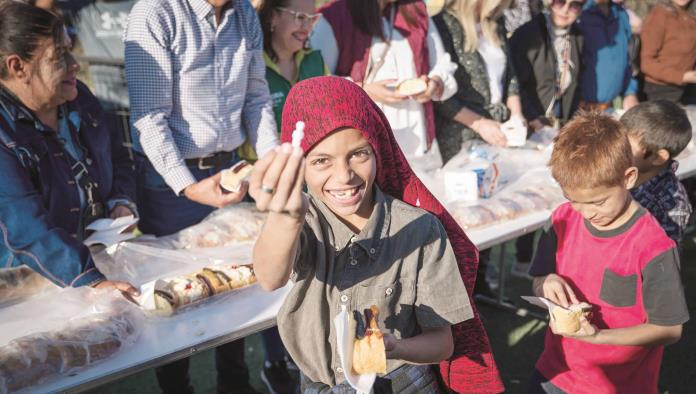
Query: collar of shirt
298, 58
205, 10
660, 182
370, 237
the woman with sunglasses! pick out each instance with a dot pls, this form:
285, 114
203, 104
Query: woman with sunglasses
381, 43
286, 25
546, 53
473, 33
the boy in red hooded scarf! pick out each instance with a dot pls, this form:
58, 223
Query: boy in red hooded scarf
368, 232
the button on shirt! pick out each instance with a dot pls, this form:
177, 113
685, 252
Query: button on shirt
401, 261
196, 87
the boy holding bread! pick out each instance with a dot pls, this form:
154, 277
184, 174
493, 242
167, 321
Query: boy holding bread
604, 249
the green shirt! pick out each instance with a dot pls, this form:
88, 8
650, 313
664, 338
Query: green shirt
309, 64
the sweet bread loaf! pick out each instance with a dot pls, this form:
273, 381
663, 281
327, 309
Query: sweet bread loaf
567, 321
369, 354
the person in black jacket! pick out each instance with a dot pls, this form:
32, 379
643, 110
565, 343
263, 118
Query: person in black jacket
546, 56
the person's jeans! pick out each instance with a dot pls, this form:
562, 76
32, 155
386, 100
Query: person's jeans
162, 213
275, 351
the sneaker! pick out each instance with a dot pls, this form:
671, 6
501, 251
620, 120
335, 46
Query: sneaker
277, 379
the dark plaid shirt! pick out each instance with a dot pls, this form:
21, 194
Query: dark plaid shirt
666, 199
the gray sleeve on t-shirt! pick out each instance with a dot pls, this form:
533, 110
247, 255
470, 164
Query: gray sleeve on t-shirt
663, 294
544, 260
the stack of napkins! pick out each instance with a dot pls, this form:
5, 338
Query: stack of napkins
110, 231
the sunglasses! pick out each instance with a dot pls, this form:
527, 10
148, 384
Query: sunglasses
302, 19
574, 6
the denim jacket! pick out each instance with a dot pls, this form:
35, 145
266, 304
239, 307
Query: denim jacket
40, 204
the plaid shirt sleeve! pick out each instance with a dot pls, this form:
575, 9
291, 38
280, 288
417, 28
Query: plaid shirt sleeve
149, 70
257, 115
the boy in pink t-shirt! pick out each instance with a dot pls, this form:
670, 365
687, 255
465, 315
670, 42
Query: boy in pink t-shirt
603, 248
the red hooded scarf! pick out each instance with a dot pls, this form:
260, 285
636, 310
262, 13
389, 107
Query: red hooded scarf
327, 104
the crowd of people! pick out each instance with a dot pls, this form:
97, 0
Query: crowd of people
184, 89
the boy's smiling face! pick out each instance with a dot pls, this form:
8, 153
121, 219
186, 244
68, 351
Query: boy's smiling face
605, 207
341, 170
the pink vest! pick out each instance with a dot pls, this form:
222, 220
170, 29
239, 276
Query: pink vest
354, 44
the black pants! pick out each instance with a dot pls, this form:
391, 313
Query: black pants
232, 371
540, 385
525, 248
684, 94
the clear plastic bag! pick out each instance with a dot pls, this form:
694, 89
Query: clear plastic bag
63, 332
17, 283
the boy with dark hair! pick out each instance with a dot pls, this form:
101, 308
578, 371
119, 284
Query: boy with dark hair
658, 131
603, 248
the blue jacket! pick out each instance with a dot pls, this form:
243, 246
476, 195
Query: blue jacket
40, 204
606, 67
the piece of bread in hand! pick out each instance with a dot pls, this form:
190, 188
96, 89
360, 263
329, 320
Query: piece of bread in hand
412, 87
233, 177
567, 321
369, 354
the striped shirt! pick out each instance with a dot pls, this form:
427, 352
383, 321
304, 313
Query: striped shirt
196, 86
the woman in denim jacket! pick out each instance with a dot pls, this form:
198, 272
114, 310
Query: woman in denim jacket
62, 165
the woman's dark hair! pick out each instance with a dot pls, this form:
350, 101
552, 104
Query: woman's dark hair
266, 10
368, 18
22, 27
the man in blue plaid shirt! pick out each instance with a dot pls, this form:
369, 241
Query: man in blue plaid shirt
197, 89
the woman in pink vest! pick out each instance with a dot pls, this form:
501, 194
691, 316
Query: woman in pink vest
381, 43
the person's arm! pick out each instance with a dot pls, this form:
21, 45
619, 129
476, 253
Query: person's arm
430, 347
441, 64
28, 236
664, 304
149, 72
275, 251
441, 301
652, 40
323, 39
532, 108
546, 282
640, 335
257, 115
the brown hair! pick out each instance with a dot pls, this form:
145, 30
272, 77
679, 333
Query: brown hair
659, 124
367, 17
22, 27
265, 11
591, 150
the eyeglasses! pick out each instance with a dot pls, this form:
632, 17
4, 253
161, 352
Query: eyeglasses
302, 19
574, 6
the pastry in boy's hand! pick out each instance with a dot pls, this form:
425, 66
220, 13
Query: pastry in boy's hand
369, 354
567, 321
233, 177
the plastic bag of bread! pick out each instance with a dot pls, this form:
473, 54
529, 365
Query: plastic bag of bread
21, 282
164, 297
61, 333
472, 216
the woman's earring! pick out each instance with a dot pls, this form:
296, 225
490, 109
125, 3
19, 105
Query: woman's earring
272, 28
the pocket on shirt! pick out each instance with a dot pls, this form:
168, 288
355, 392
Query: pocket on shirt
394, 300
618, 290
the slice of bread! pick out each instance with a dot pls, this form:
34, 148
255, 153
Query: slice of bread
567, 321
369, 354
233, 177
412, 87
